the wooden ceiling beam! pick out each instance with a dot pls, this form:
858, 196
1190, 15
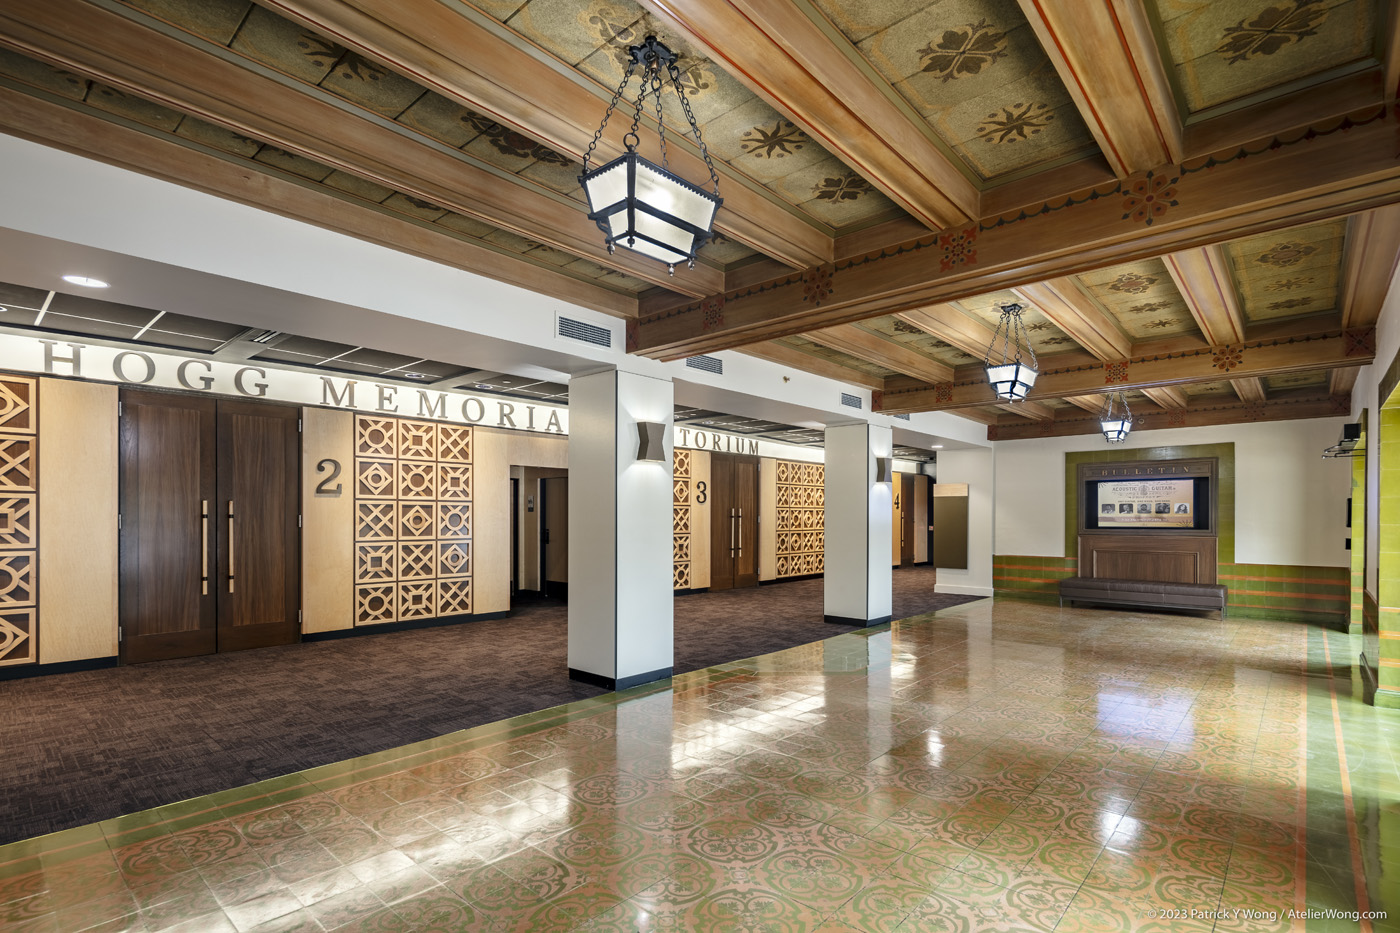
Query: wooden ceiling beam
1341, 381
1166, 396
1234, 412
71, 130
1251, 388
117, 49
1202, 275
807, 363
1092, 403
1034, 411
952, 327
785, 57
1368, 267
1107, 58
1309, 176
873, 348
1068, 308
1321, 350
443, 47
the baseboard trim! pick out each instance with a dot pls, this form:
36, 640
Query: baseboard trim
692, 591
58, 667
620, 683
952, 589
794, 579
408, 626
858, 623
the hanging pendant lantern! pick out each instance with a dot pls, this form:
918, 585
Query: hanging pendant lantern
638, 204
1115, 419
1010, 376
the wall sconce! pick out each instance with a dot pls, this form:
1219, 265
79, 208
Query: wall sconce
651, 441
884, 469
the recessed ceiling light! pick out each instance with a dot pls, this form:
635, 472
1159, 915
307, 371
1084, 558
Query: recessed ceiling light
3, 310
84, 281
937, 446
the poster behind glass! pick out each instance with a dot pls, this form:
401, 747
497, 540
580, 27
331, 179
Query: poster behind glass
1159, 503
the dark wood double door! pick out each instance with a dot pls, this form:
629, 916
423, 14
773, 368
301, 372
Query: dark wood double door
733, 498
210, 539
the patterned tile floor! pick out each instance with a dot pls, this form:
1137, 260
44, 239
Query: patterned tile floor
999, 766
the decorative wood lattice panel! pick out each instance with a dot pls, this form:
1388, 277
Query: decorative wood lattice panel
19, 521
801, 518
682, 496
413, 520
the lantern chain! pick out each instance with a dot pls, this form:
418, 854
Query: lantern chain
675, 74
660, 123
612, 105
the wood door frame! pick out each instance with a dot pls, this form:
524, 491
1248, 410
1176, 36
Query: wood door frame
138, 649
240, 637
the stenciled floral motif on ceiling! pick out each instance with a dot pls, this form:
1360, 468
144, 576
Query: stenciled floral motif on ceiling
1274, 28
974, 70
906, 334
1288, 273
1043, 335
1223, 50
963, 51
1142, 298
774, 142
847, 187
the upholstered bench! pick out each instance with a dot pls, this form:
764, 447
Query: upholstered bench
1146, 593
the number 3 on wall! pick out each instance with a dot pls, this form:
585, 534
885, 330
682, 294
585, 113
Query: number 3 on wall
324, 487
700, 493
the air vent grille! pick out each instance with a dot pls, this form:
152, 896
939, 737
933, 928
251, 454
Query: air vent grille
266, 336
709, 364
583, 331
851, 401
903, 417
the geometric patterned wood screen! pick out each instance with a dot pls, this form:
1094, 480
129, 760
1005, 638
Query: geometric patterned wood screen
413, 520
682, 495
19, 520
801, 518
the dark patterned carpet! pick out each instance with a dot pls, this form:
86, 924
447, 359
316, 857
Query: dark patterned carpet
89, 746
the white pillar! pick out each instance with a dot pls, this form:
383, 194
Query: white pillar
858, 577
620, 547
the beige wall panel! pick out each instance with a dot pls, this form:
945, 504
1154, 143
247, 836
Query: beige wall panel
767, 518
920, 519
532, 450
77, 521
328, 521
700, 521
491, 521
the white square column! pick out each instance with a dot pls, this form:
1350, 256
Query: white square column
859, 580
620, 541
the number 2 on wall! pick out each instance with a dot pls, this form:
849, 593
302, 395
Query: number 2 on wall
700, 493
324, 487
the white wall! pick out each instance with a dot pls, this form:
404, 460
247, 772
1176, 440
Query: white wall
976, 469
1290, 504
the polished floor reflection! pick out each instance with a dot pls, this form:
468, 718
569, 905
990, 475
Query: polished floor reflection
996, 766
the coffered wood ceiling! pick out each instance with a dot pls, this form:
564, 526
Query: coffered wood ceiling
1191, 198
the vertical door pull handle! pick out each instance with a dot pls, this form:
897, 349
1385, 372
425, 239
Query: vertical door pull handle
731, 532
741, 532
230, 545
204, 547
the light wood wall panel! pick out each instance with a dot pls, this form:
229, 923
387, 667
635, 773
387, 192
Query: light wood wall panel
328, 518
767, 509
491, 577
700, 520
920, 519
78, 505
897, 516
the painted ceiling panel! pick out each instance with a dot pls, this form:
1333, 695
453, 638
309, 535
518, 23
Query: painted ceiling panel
1221, 387
1294, 381
835, 356
1142, 298
171, 124
1043, 336
739, 128
1222, 50
976, 72
892, 328
1289, 273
